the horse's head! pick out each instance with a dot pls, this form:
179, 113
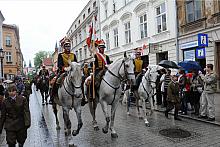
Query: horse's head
152, 74
76, 78
127, 70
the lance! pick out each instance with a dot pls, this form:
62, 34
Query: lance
93, 69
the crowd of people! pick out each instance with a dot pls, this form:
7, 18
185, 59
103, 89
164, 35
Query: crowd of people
192, 91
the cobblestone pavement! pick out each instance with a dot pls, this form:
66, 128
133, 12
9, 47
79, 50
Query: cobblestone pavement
132, 131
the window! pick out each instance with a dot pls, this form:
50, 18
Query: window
193, 10
114, 6
85, 52
88, 10
161, 18
127, 32
107, 41
8, 57
115, 32
79, 21
94, 4
127, 1
106, 10
77, 55
80, 54
76, 40
84, 16
80, 37
75, 26
8, 41
143, 25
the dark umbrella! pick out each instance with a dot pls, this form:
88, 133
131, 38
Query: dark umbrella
168, 64
190, 65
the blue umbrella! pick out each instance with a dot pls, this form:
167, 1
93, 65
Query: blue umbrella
190, 65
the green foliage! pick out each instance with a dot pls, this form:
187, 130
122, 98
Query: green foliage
39, 56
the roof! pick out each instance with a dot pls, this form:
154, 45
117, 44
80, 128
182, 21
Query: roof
47, 61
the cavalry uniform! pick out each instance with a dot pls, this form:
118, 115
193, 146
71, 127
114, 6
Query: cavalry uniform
44, 72
63, 59
138, 66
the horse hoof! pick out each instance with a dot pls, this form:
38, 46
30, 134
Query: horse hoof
71, 145
147, 124
75, 132
96, 128
114, 135
58, 128
104, 130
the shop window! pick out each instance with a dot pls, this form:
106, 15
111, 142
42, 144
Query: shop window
218, 62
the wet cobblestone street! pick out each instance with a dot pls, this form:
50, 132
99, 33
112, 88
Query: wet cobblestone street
132, 131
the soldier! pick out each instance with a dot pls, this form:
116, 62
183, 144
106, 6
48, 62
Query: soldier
15, 117
101, 63
63, 63
44, 72
138, 62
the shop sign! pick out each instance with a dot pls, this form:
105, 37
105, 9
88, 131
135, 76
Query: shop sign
154, 47
189, 45
203, 40
200, 53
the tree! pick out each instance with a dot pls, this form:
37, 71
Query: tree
38, 59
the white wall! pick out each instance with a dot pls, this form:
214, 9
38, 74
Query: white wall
137, 8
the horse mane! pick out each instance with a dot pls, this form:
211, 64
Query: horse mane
77, 68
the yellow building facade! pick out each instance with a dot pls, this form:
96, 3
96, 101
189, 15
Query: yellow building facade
13, 60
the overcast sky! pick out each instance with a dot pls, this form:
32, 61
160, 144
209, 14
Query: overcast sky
41, 22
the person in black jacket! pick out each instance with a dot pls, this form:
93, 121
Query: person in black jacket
2, 93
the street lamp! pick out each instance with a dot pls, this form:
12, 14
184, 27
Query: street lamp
2, 55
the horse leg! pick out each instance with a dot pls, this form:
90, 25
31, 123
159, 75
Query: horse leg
137, 103
92, 108
128, 102
55, 113
107, 118
42, 95
113, 109
78, 114
67, 122
46, 95
145, 112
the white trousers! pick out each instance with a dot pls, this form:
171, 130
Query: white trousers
207, 104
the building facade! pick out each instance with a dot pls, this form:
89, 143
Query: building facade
199, 32
78, 31
147, 24
13, 61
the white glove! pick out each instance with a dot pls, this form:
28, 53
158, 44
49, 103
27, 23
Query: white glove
67, 68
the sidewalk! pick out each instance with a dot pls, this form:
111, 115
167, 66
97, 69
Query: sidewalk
191, 116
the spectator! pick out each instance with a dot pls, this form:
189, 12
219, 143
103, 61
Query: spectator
162, 80
15, 117
208, 95
173, 99
28, 89
167, 80
158, 89
182, 84
2, 92
196, 90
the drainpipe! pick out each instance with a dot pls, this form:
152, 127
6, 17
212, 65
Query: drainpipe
177, 32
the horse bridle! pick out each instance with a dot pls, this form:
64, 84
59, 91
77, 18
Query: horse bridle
72, 84
147, 78
120, 77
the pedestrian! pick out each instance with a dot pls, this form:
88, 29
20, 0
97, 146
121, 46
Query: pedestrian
15, 117
208, 95
162, 81
196, 90
173, 99
167, 80
2, 93
28, 89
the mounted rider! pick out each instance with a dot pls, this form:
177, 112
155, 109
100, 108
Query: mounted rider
138, 62
63, 65
44, 72
64, 58
101, 63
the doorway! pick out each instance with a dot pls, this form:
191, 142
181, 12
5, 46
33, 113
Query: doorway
162, 56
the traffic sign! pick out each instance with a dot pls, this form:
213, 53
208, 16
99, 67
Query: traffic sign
203, 40
200, 53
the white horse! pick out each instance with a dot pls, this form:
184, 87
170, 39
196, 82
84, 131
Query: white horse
70, 96
110, 89
146, 90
